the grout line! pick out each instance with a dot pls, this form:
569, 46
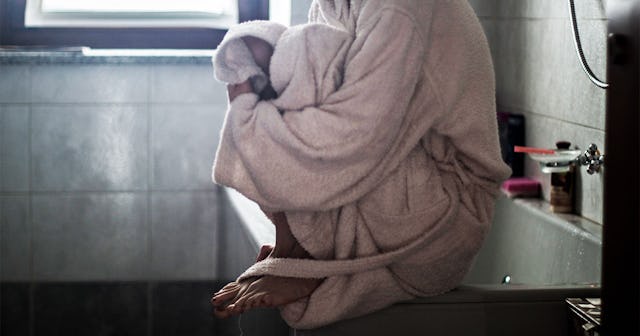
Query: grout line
528, 18
525, 111
123, 191
89, 104
2, 227
32, 309
2, 133
150, 286
221, 104
150, 77
31, 249
221, 231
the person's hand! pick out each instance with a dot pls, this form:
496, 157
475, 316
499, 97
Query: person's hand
234, 90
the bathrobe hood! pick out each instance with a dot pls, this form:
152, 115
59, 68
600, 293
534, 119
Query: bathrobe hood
339, 13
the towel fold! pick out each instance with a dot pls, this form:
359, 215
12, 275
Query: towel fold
306, 66
233, 62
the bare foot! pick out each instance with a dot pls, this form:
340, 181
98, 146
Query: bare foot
270, 291
267, 291
231, 291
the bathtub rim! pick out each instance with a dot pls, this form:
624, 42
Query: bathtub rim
260, 231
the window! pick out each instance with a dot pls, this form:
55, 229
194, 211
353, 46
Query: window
138, 24
131, 13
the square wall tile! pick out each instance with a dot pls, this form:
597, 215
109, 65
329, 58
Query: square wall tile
15, 237
588, 101
14, 83
186, 83
14, 309
81, 237
508, 52
81, 83
184, 235
537, 70
238, 251
90, 309
184, 142
183, 308
14, 148
76, 147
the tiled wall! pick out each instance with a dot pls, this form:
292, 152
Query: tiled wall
106, 200
105, 172
538, 75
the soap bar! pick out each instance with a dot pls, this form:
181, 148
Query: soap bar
521, 187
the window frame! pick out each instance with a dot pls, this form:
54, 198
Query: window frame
13, 31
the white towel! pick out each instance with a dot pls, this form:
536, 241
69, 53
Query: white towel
233, 62
306, 66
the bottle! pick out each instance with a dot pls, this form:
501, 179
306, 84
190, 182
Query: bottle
562, 185
511, 131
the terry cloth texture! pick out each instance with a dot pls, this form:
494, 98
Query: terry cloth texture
233, 62
306, 66
389, 181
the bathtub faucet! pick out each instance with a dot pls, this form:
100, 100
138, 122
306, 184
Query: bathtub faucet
592, 159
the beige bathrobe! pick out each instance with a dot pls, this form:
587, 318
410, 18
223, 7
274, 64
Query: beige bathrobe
389, 182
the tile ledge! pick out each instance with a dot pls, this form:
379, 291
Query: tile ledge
261, 231
258, 227
84, 55
581, 225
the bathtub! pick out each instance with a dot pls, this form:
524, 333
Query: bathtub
530, 263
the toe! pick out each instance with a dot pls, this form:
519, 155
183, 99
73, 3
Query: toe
228, 286
230, 294
247, 299
221, 313
220, 298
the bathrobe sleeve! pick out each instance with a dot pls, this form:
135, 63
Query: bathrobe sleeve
327, 155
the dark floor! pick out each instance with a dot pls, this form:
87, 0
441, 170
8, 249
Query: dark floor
123, 308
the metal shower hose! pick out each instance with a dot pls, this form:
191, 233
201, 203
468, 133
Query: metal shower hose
576, 39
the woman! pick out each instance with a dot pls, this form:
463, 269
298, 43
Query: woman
385, 190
